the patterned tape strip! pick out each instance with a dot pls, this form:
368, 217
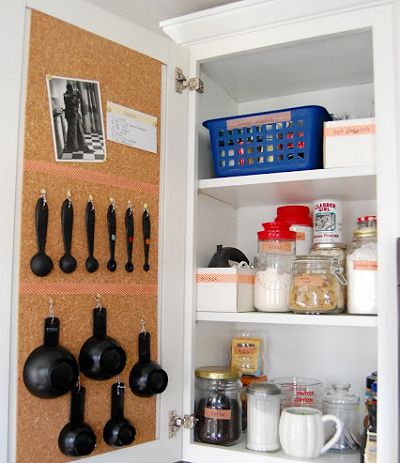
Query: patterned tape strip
349, 130
224, 278
260, 119
38, 288
88, 176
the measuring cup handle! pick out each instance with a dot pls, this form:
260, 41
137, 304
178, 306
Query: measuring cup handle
336, 436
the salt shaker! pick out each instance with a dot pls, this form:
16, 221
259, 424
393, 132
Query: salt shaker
263, 411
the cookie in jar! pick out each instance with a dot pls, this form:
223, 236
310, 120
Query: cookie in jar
317, 286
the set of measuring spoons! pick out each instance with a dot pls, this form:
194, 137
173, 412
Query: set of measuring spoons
41, 264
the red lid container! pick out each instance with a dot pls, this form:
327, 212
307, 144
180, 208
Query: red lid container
294, 215
276, 231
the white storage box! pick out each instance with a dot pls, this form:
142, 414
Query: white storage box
225, 289
349, 142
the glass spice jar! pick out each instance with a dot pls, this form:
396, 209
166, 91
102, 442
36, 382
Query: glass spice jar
317, 285
339, 401
276, 239
218, 406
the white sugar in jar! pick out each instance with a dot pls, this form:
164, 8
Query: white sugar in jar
362, 267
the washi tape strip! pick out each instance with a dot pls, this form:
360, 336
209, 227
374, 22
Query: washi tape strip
260, 119
224, 278
38, 288
89, 176
349, 130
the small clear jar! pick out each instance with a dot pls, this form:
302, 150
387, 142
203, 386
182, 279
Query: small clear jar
339, 401
218, 405
272, 283
276, 238
317, 286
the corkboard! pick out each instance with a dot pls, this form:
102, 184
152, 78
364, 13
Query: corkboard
133, 80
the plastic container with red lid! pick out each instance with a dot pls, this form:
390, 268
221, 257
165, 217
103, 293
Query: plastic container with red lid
276, 238
300, 221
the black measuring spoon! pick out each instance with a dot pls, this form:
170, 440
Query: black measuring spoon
67, 261
90, 216
146, 237
129, 226
41, 264
112, 230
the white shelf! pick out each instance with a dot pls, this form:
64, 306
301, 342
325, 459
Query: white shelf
365, 321
346, 183
239, 453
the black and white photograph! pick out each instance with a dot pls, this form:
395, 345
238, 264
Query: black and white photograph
77, 119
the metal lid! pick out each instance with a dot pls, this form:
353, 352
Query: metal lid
365, 233
329, 246
263, 388
218, 372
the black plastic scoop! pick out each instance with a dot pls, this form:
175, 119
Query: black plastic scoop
146, 237
129, 226
41, 264
91, 263
112, 230
67, 261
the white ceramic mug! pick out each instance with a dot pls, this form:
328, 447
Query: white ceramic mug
301, 432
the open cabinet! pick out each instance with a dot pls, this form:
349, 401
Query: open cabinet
262, 56
253, 56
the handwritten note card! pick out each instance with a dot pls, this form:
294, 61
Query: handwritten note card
131, 128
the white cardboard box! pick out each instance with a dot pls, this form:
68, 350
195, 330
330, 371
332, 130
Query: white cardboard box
349, 142
225, 289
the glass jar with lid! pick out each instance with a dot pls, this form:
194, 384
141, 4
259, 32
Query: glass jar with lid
362, 266
339, 401
218, 406
276, 250
317, 285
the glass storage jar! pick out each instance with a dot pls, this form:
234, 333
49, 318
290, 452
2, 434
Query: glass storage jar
218, 406
272, 283
317, 285
263, 416
276, 238
339, 401
362, 266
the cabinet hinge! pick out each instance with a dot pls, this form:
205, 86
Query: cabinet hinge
176, 423
181, 83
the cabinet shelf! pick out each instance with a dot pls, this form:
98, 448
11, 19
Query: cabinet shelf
362, 321
346, 183
239, 452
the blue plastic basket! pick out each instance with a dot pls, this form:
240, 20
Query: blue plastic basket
275, 141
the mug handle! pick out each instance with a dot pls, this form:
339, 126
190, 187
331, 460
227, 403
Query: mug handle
336, 436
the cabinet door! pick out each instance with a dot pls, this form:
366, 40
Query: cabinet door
14, 29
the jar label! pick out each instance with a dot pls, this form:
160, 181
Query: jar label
217, 414
309, 280
300, 236
365, 265
280, 246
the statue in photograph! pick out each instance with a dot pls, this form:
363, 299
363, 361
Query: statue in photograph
75, 135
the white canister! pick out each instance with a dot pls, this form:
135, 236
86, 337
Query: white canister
298, 217
263, 411
301, 432
328, 220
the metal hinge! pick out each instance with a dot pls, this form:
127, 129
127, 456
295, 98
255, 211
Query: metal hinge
176, 423
181, 83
